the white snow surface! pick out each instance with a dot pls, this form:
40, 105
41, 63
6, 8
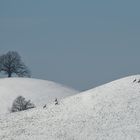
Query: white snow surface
108, 112
40, 92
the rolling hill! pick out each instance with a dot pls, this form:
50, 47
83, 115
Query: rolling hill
108, 112
40, 92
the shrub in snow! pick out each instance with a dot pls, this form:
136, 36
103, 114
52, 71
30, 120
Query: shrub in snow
20, 104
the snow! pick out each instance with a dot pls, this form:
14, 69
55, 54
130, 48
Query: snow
108, 112
40, 92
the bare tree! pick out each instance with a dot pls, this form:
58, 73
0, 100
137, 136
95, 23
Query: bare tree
11, 63
21, 104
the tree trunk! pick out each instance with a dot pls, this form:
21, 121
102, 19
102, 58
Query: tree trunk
9, 74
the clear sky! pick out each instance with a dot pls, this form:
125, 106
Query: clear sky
79, 43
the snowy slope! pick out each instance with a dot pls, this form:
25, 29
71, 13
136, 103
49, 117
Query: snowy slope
39, 92
108, 112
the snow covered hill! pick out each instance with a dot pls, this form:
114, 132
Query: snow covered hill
39, 92
108, 112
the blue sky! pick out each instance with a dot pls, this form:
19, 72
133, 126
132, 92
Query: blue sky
79, 43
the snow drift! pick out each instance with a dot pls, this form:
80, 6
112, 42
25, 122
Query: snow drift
40, 92
108, 112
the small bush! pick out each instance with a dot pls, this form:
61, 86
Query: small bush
20, 104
